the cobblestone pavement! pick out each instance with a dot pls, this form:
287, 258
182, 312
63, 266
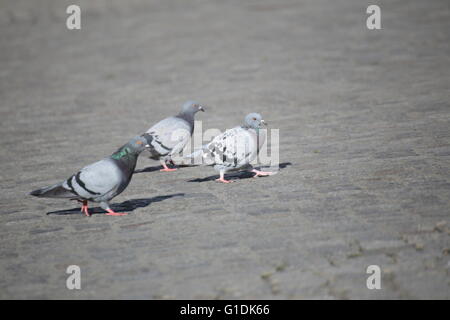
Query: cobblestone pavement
364, 148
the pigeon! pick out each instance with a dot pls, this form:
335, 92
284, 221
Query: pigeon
171, 135
235, 148
102, 180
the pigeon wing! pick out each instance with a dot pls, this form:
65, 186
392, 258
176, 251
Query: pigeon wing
232, 149
169, 136
96, 181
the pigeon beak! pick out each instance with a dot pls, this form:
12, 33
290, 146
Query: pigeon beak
201, 109
264, 123
147, 146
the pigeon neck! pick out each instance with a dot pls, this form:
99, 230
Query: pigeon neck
188, 116
126, 160
245, 126
124, 153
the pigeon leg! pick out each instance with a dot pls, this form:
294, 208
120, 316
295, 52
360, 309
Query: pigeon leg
84, 208
112, 213
109, 211
166, 168
222, 178
262, 173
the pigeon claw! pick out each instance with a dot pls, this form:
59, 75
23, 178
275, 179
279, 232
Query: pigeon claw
112, 213
224, 181
84, 208
262, 173
168, 170
86, 212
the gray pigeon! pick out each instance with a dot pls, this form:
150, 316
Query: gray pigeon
234, 149
102, 180
171, 135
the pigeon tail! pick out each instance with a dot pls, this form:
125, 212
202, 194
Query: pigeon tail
195, 154
54, 191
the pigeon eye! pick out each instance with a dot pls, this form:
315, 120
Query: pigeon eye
139, 142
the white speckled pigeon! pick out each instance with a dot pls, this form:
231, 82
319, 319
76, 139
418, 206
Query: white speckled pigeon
234, 149
102, 180
171, 135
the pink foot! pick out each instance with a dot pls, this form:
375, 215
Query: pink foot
262, 173
168, 170
224, 181
84, 209
112, 213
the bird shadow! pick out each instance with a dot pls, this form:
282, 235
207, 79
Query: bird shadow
126, 206
148, 169
238, 175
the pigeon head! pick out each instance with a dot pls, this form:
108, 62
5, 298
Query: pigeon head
131, 149
191, 107
138, 143
254, 120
